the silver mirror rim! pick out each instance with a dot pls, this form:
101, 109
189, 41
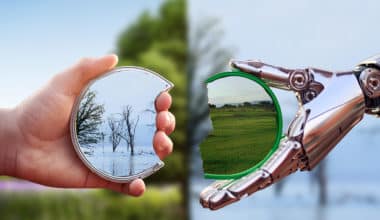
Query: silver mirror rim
74, 137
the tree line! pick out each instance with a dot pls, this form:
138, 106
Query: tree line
263, 103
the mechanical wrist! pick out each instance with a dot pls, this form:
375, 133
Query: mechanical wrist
368, 75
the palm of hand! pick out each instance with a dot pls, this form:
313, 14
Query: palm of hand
46, 154
50, 158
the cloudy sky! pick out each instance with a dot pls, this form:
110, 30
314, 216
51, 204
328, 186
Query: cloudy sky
235, 90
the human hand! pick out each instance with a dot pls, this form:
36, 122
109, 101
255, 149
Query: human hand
37, 143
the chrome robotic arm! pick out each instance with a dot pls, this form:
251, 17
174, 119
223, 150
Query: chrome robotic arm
330, 105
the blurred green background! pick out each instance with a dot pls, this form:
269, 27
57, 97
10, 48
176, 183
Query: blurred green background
156, 39
157, 203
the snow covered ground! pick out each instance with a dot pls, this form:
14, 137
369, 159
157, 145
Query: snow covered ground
120, 162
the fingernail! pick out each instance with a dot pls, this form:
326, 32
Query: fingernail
171, 120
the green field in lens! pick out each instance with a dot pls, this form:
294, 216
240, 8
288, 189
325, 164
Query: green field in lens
247, 125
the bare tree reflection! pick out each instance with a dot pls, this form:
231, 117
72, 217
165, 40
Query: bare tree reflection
151, 114
115, 127
130, 128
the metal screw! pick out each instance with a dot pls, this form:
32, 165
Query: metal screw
299, 80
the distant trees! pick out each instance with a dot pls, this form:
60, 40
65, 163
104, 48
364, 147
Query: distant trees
123, 128
262, 103
151, 113
265, 102
89, 118
228, 106
116, 128
211, 105
129, 127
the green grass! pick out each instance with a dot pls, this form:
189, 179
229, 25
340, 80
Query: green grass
241, 138
157, 203
4, 178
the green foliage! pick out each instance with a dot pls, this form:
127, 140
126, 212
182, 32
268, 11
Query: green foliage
159, 43
5, 178
157, 203
137, 37
174, 166
168, 26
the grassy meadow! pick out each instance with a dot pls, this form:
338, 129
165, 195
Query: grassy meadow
241, 138
157, 203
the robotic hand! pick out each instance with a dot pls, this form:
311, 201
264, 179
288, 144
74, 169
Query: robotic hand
330, 105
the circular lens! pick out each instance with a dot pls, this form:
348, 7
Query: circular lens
246, 122
113, 124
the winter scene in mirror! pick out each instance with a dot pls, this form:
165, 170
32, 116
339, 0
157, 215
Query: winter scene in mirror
115, 122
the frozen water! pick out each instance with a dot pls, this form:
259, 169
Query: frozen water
121, 162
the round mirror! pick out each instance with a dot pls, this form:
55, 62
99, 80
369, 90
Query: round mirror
113, 123
247, 125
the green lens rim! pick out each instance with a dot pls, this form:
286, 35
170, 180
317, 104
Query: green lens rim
278, 119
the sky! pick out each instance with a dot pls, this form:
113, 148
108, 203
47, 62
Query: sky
41, 38
332, 35
296, 34
118, 90
235, 90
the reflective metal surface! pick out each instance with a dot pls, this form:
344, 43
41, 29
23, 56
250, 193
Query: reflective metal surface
113, 123
332, 115
330, 105
371, 61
